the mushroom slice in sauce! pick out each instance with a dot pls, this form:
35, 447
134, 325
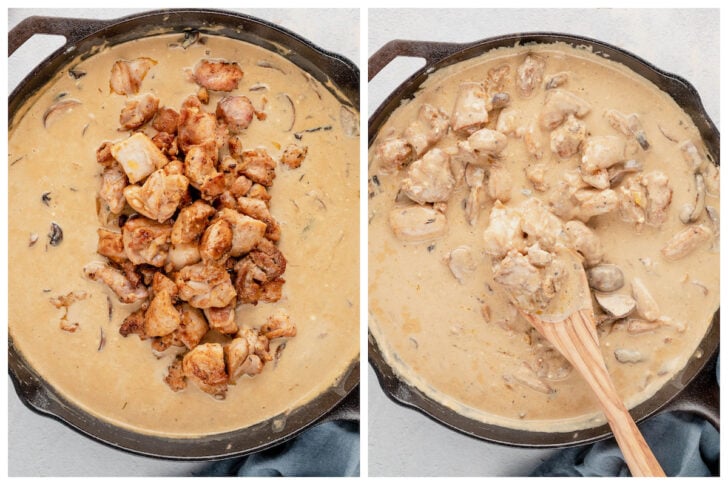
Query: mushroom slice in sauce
417, 223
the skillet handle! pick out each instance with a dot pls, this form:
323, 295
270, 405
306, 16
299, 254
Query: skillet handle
432, 52
701, 396
73, 29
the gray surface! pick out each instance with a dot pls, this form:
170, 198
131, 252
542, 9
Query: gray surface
685, 42
38, 446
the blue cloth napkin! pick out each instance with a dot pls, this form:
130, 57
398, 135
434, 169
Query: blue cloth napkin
698, 453
684, 444
330, 449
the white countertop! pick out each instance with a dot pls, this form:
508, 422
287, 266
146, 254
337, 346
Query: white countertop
39, 446
403, 442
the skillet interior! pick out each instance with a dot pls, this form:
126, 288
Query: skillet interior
440, 55
329, 69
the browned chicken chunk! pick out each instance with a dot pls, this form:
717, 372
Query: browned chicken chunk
113, 182
127, 76
161, 318
116, 280
222, 319
136, 112
277, 326
134, 324
111, 245
205, 366
258, 209
159, 197
175, 377
191, 222
138, 156
218, 75
205, 285
294, 155
236, 111
146, 241
198, 128
247, 231
166, 120
258, 166
216, 242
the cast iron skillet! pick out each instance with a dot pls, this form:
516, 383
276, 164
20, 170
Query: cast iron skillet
340, 401
694, 389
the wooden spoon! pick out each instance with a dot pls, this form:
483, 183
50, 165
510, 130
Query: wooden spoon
568, 323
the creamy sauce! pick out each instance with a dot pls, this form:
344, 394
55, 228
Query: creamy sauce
430, 327
316, 206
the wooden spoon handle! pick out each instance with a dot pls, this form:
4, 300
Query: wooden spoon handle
576, 338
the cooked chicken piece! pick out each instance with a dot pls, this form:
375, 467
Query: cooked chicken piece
504, 231
161, 318
417, 223
686, 241
205, 285
475, 178
191, 222
278, 325
536, 174
584, 240
529, 287
540, 224
134, 324
294, 155
531, 139
567, 139
538, 257
257, 344
462, 155
111, 245
192, 327
711, 177
257, 209
508, 121
216, 242
162, 284
240, 186
269, 258
166, 120
429, 179
104, 156
592, 203
429, 127
257, 191
218, 75
146, 241
205, 366
200, 165
222, 319
272, 291
175, 377
559, 104
138, 156
497, 78
461, 263
258, 166
115, 279
659, 196
470, 112
392, 154
487, 142
197, 127
167, 144
181, 255
127, 76
602, 152
247, 231
136, 112
239, 361
249, 280
159, 197
529, 75
113, 182
598, 179
500, 183
632, 202
236, 111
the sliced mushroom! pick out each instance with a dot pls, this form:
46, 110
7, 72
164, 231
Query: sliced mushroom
628, 356
691, 212
647, 307
525, 376
605, 277
616, 304
637, 325
557, 80
692, 156
617, 172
